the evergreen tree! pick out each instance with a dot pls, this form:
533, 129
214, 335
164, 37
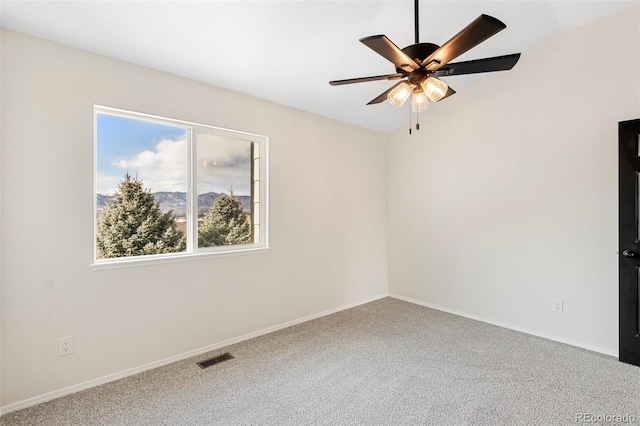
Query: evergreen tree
225, 223
133, 224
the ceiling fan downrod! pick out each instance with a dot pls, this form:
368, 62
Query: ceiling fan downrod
416, 18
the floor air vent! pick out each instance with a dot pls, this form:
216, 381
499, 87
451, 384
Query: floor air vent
215, 360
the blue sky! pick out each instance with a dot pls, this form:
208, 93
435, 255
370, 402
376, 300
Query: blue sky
123, 137
157, 155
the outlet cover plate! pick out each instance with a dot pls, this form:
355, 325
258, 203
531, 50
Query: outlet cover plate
556, 305
65, 346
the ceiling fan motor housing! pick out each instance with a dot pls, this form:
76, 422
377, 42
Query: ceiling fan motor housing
419, 52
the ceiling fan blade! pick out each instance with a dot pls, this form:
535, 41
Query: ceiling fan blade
497, 63
450, 92
473, 34
383, 96
363, 79
385, 48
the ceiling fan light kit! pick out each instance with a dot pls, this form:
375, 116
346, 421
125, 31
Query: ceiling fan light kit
434, 88
419, 65
399, 94
419, 101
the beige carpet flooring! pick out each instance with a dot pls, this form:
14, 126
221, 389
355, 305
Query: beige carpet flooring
388, 362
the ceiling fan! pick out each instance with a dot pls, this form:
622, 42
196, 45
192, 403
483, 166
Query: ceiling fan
420, 65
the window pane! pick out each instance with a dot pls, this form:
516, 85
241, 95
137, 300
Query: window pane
141, 184
165, 186
225, 190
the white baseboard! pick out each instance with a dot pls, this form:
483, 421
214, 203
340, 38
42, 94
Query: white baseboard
537, 333
136, 370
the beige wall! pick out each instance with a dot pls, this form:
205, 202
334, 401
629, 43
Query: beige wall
507, 196
328, 224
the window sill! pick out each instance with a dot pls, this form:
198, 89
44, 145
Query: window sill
120, 263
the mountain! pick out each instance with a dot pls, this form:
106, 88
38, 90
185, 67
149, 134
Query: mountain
103, 200
177, 201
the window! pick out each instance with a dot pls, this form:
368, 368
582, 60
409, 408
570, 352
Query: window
168, 189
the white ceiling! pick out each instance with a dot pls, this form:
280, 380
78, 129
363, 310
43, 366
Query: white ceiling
287, 51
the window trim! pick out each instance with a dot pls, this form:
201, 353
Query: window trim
193, 252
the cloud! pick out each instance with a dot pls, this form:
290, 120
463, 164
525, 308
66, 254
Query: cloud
164, 169
222, 164
106, 184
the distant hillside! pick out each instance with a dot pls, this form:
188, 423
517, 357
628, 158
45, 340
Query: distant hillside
177, 201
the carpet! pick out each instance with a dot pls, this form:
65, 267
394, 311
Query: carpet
388, 362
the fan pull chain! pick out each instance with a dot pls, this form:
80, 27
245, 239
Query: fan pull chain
417, 120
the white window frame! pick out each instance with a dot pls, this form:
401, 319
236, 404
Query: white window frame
192, 251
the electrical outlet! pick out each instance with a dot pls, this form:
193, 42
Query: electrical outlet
556, 305
65, 346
